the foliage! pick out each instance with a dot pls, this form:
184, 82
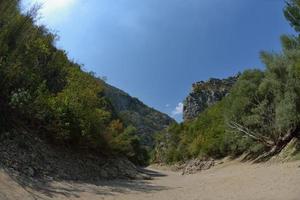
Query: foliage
42, 90
260, 114
133, 112
292, 14
204, 137
266, 104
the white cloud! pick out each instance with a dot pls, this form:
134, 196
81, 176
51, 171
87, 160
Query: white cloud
168, 105
178, 110
52, 10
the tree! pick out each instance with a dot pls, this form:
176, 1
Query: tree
292, 13
41, 90
265, 105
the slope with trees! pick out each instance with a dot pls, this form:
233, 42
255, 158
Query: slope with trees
260, 116
44, 92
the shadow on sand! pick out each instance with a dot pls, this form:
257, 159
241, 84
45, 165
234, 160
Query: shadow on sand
151, 173
47, 189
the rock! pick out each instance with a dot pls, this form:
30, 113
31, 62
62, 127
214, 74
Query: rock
196, 165
206, 94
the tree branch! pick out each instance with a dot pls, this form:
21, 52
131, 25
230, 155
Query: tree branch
266, 141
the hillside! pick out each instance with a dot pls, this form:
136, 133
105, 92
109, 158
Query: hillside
67, 134
46, 96
256, 113
132, 111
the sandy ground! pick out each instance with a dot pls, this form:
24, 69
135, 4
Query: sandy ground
229, 181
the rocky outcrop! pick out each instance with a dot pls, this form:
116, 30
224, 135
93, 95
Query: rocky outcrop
132, 111
205, 94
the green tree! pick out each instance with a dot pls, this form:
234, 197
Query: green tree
43, 91
265, 107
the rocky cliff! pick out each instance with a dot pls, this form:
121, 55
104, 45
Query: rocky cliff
132, 111
205, 94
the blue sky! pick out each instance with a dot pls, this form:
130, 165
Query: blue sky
156, 49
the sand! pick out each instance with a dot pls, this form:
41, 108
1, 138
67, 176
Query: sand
229, 181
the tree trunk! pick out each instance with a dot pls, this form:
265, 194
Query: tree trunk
274, 146
281, 144
256, 137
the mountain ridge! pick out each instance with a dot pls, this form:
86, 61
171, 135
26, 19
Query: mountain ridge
132, 111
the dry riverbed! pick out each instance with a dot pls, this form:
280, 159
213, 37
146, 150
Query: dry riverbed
229, 181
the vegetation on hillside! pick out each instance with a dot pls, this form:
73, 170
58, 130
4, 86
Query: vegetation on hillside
42, 90
132, 111
260, 116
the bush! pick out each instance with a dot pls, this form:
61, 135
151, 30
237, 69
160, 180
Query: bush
206, 136
42, 90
